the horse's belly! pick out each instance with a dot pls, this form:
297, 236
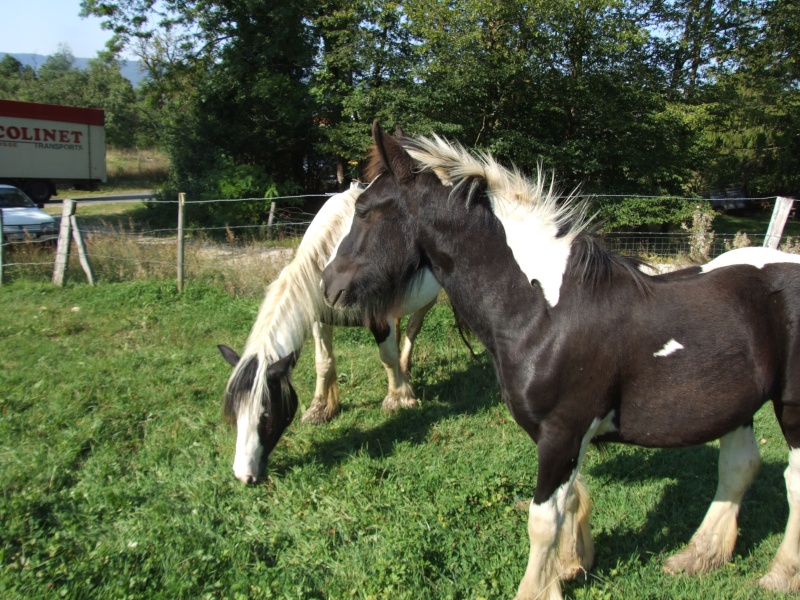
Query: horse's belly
686, 419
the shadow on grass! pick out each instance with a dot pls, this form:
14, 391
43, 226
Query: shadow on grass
692, 475
465, 392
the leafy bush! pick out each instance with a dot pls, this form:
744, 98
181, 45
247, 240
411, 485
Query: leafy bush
647, 214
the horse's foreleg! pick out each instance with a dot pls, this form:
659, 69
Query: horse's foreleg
400, 393
784, 573
712, 544
413, 328
558, 526
325, 405
542, 577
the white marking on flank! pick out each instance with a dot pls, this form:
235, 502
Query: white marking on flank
669, 348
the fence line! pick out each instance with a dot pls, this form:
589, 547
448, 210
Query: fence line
293, 223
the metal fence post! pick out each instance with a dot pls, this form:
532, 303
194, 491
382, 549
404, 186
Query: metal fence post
181, 202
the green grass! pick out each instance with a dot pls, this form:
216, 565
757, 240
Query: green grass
752, 222
116, 482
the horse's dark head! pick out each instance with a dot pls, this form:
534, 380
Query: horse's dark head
379, 259
261, 412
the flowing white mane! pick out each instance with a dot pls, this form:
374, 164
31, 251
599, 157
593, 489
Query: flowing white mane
294, 300
538, 221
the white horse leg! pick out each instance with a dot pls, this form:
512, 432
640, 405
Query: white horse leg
784, 574
413, 327
542, 575
400, 393
559, 531
712, 544
325, 404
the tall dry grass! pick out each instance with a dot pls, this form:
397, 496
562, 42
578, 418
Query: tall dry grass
120, 253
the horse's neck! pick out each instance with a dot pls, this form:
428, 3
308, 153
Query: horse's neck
294, 300
286, 316
485, 283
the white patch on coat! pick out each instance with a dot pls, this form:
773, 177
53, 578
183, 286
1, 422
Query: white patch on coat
670, 347
755, 256
539, 253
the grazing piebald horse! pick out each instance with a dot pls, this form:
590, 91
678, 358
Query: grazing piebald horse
259, 397
586, 346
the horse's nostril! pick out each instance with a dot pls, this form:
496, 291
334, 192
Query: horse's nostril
250, 480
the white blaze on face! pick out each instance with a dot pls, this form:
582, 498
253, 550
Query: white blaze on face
670, 347
248, 448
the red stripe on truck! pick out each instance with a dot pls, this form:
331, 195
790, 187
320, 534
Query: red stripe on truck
52, 112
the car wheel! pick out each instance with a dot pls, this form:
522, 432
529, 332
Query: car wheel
39, 191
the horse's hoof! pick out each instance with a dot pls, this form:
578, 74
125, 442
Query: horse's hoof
781, 580
393, 402
683, 563
319, 415
574, 572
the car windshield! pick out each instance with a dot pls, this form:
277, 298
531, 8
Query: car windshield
11, 198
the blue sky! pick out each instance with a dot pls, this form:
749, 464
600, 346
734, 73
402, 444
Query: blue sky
39, 26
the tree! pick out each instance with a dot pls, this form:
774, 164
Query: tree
15, 78
756, 117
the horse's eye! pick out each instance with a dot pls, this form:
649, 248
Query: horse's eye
362, 213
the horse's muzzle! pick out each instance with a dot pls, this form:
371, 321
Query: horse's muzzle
335, 282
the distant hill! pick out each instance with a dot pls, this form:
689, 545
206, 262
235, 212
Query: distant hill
130, 69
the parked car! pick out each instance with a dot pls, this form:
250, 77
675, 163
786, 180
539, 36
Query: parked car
22, 219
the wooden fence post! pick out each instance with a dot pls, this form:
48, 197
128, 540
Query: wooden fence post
181, 201
64, 235
82, 255
783, 206
271, 218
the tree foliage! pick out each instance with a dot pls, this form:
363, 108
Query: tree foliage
102, 85
617, 96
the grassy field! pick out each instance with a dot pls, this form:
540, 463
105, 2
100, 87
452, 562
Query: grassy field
116, 482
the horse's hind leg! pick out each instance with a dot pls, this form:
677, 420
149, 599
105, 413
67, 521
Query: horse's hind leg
325, 405
712, 544
784, 573
400, 393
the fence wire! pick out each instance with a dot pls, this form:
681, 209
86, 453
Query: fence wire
117, 252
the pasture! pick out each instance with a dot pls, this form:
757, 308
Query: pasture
116, 481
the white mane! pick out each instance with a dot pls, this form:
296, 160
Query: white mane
538, 221
294, 300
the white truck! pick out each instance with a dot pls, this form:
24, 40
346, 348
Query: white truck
44, 145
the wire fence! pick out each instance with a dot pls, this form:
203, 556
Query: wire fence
246, 256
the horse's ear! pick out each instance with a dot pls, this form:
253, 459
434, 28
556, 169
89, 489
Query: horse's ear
282, 367
399, 133
229, 354
397, 161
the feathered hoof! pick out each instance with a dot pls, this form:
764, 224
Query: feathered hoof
691, 562
393, 402
571, 572
781, 579
319, 413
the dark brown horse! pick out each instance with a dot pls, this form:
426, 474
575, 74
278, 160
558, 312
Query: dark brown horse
585, 345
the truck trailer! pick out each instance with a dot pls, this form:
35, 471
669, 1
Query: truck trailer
46, 145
